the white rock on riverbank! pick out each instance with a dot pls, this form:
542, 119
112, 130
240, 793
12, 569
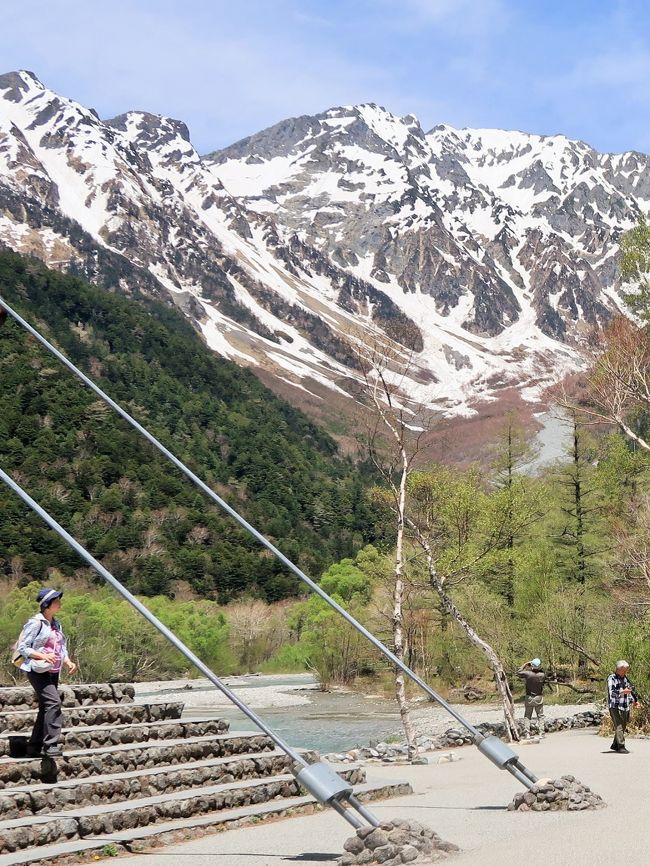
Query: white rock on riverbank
201, 693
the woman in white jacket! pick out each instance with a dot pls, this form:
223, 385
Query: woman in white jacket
44, 650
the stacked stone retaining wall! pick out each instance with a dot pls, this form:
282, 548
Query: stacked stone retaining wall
455, 737
127, 768
22, 720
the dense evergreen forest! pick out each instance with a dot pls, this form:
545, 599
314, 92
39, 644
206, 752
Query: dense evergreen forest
116, 493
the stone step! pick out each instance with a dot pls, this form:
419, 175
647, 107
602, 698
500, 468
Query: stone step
128, 756
111, 788
79, 695
179, 830
101, 820
95, 737
22, 721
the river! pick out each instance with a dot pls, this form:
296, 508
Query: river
292, 705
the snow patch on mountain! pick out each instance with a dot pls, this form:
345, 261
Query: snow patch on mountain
479, 257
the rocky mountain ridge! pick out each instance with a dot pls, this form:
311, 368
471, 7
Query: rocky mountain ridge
475, 258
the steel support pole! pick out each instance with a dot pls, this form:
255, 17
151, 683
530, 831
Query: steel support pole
476, 734
146, 613
320, 779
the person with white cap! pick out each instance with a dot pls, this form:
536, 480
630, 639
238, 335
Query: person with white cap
535, 679
620, 697
42, 652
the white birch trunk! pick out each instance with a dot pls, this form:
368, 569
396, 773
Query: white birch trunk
503, 687
398, 599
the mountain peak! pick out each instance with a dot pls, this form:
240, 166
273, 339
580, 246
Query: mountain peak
17, 84
486, 254
150, 127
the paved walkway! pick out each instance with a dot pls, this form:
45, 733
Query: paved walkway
464, 802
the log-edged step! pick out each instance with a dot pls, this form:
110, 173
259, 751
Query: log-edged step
21, 721
36, 830
129, 756
84, 694
111, 788
97, 736
168, 832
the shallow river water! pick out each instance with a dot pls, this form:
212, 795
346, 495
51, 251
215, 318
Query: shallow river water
329, 723
295, 708
326, 721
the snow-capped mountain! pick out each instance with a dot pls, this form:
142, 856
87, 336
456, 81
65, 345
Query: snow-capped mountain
478, 257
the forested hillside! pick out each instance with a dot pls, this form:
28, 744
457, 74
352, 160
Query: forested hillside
115, 493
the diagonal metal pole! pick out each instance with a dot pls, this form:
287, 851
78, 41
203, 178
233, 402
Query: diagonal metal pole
493, 748
320, 779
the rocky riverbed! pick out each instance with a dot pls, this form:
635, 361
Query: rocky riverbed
332, 722
452, 738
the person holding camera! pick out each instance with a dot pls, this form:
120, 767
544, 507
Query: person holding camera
535, 679
43, 649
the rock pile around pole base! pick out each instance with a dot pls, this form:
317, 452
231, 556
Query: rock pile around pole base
393, 843
557, 795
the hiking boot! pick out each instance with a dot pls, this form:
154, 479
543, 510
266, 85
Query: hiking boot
52, 752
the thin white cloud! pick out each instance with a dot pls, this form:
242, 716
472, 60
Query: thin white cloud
215, 77
464, 18
314, 20
603, 93
627, 68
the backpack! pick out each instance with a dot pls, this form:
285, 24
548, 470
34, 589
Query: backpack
16, 658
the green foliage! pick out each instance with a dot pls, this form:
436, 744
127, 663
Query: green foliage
111, 641
291, 658
635, 267
552, 615
347, 581
332, 649
147, 523
329, 646
556, 535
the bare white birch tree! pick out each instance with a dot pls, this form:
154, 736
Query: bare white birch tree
393, 441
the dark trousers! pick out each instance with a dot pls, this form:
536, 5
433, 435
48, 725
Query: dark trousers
620, 719
47, 727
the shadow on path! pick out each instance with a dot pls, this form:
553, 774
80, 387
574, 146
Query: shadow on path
215, 856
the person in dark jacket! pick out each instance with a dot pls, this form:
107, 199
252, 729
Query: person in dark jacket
44, 650
535, 679
621, 696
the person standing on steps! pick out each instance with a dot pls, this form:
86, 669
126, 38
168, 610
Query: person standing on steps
44, 650
620, 697
535, 679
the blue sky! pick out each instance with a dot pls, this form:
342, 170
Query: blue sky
578, 67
